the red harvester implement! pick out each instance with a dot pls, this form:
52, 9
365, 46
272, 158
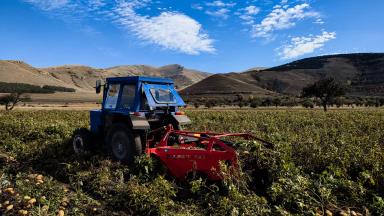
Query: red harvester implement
187, 152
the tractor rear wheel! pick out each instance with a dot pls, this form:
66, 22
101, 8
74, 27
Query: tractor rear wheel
81, 141
123, 144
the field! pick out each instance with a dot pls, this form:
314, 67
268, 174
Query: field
321, 163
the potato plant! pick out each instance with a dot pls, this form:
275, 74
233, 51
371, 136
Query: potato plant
321, 163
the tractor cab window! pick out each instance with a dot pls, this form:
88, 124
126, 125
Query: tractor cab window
112, 96
162, 95
128, 97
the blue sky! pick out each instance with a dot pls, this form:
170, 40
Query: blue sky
213, 36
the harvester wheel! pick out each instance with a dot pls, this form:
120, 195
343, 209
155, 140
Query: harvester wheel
81, 141
123, 144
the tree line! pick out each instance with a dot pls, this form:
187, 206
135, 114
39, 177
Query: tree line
16, 92
28, 88
324, 93
288, 101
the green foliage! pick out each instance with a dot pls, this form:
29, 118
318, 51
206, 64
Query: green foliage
307, 103
325, 89
210, 103
289, 101
196, 104
154, 197
57, 89
28, 88
255, 103
320, 161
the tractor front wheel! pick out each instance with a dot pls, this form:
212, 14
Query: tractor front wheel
81, 141
123, 144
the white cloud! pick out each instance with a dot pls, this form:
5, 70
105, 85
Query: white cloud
247, 14
173, 31
219, 9
221, 13
197, 7
48, 4
220, 4
319, 21
282, 18
69, 11
252, 10
96, 4
304, 45
246, 17
169, 30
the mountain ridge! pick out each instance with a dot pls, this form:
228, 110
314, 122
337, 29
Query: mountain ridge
363, 73
82, 78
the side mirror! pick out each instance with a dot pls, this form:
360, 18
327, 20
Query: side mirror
98, 86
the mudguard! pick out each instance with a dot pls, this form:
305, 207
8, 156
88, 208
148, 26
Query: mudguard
182, 119
139, 123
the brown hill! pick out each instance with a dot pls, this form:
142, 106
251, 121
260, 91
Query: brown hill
85, 77
20, 72
183, 77
82, 78
226, 84
362, 72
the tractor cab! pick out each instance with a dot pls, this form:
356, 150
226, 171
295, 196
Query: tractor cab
140, 94
142, 102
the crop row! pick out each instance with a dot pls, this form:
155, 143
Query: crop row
321, 163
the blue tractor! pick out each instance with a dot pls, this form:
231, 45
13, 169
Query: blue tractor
132, 106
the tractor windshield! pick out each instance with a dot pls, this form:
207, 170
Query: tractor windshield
162, 95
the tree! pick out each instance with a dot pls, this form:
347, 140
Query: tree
324, 89
196, 105
276, 101
239, 98
307, 103
241, 104
210, 103
381, 101
10, 100
255, 103
339, 102
266, 102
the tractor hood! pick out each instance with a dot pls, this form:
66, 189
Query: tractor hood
162, 95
